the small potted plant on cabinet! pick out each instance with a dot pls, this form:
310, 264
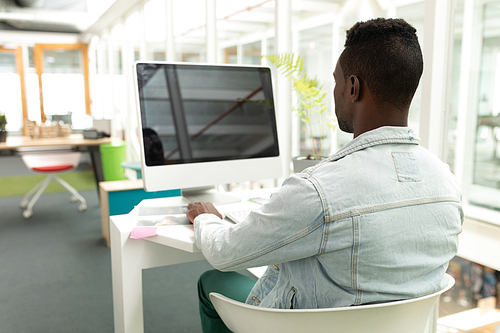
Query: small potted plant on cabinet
310, 106
3, 131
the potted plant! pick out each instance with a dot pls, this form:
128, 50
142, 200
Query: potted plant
310, 106
3, 131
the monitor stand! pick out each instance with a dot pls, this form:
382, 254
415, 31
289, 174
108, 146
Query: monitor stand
208, 194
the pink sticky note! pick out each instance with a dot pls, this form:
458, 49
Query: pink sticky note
141, 232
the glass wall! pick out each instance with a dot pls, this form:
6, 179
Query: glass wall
190, 30
155, 27
486, 169
10, 87
315, 46
251, 53
473, 135
63, 82
230, 55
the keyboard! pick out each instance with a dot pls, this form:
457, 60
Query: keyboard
238, 216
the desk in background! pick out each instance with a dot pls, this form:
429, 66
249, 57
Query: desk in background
76, 141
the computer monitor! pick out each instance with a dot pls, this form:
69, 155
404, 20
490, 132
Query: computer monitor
205, 125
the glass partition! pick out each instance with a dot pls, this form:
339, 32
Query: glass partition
63, 83
230, 55
190, 30
63, 77
486, 170
315, 46
474, 128
10, 97
251, 53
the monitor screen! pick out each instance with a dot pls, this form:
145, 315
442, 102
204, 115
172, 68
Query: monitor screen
196, 116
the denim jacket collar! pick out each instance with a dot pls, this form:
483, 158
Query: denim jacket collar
378, 136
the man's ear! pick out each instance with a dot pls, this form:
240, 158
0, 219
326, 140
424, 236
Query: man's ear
354, 88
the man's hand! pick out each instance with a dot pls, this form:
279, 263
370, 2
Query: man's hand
197, 208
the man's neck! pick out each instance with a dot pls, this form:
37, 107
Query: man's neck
372, 118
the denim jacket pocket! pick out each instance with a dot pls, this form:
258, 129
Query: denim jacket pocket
263, 286
291, 298
406, 166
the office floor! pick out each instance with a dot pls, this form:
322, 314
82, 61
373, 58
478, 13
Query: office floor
55, 271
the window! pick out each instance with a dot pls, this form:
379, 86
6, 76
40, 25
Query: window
13, 100
231, 55
315, 46
62, 71
251, 53
474, 129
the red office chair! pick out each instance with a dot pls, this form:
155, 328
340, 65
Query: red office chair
51, 164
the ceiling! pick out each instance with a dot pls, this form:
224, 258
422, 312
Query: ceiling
76, 16
235, 18
66, 16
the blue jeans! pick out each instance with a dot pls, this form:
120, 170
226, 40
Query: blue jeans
230, 284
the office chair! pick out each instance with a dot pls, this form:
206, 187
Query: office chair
50, 164
409, 316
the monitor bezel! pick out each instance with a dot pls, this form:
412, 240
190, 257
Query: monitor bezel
199, 174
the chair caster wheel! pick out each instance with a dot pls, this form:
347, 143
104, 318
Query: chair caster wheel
27, 213
24, 203
73, 198
82, 207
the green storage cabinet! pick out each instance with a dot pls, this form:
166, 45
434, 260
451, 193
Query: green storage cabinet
113, 155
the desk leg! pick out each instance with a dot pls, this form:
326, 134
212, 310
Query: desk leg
95, 155
128, 258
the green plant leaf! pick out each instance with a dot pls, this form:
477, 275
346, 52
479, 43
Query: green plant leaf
310, 96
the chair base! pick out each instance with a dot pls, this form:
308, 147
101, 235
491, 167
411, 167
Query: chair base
37, 191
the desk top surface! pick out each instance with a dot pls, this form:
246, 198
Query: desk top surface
182, 236
14, 142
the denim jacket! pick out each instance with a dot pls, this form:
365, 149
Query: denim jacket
377, 221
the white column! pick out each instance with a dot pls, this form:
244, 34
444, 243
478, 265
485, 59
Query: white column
170, 42
110, 53
437, 47
143, 50
435, 109
283, 44
295, 120
101, 52
467, 96
211, 38
336, 51
263, 50
111, 72
130, 116
101, 72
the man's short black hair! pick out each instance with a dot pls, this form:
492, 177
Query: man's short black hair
386, 54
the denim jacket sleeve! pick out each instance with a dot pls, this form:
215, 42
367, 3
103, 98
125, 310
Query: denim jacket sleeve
289, 227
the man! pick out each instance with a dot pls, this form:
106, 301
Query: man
377, 221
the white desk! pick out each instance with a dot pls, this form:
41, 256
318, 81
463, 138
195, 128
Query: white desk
172, 245
76, 141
